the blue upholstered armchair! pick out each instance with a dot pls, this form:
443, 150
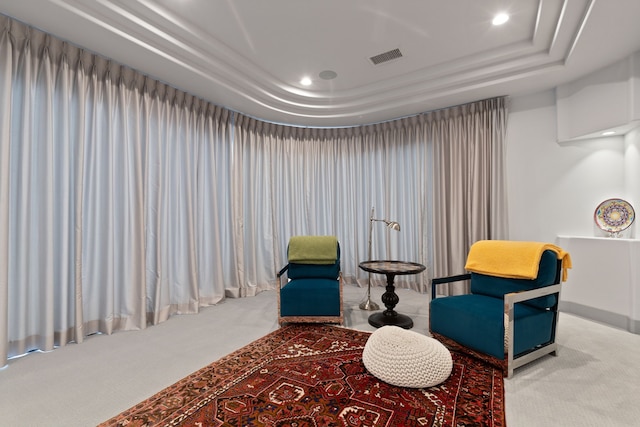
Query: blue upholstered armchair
511, 315
313, 291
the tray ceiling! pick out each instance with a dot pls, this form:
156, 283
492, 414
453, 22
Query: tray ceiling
250, 55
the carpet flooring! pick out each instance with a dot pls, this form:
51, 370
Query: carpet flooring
311, 376
594, 380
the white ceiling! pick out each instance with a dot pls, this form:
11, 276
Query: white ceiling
249, 55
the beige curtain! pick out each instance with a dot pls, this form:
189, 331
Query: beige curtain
470, 201
124, 201
439, 174
6, 58
325, 181
114, 191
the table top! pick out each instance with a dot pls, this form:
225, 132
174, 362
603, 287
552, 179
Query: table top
392, 267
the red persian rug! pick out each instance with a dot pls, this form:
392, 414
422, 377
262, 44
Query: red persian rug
313, 376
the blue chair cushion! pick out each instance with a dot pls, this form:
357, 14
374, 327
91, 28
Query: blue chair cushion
310, 297
498, 286
477, 322
308, 271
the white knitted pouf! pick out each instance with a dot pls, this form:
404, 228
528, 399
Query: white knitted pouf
406, 358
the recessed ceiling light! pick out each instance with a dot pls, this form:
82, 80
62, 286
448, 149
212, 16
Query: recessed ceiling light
609, 132
328, 74
500, 19
306, 81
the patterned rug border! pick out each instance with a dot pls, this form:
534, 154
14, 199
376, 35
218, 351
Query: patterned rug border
181, 400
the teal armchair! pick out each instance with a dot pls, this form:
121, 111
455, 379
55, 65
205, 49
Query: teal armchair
507, 321
311, 292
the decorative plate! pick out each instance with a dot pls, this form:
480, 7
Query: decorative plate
614, 215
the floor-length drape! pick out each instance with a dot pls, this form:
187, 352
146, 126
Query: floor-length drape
439, 174
6, 76
114, 192
325, 181
470, 201
125, 201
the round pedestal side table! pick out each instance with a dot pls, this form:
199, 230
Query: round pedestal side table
390, 299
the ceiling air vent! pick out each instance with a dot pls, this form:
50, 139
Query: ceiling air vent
386, 56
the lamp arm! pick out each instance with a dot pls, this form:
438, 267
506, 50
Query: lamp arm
386, 221
390, 224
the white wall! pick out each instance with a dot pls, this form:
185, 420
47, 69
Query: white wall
554, 188
632, 168
598, 101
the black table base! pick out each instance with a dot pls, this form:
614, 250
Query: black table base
390, 298
384, 319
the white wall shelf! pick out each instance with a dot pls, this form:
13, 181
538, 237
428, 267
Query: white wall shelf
604, 283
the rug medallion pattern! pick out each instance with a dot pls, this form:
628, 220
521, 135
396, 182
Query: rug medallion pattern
313, 376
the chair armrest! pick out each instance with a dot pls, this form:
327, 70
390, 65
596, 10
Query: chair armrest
279, 275
281, 272
515, 297
510, 300
448, 279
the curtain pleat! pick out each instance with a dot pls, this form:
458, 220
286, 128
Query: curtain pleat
114, 192
325, 181
125, 201
470, 202
6, 95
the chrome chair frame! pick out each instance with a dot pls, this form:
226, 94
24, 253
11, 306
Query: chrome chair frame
511, 362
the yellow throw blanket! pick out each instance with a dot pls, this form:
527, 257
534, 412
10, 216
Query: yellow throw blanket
512, 259
313, 249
